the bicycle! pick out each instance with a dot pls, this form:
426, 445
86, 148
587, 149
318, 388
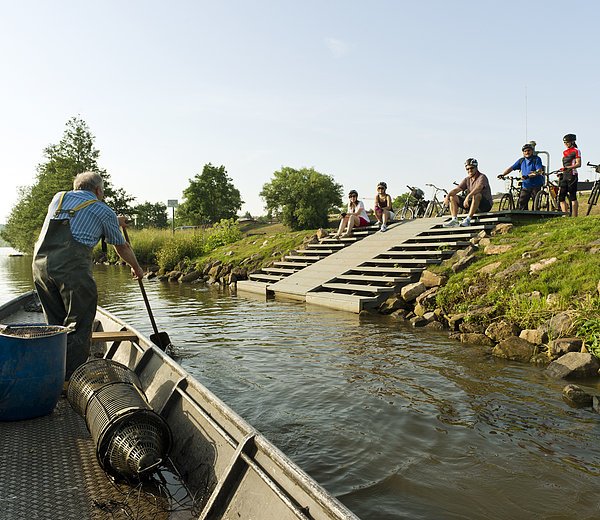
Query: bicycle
510, 200
595, 193
547, 198
435, 207
412, 204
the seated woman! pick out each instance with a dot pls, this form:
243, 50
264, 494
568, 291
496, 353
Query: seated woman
355, 217
383, 206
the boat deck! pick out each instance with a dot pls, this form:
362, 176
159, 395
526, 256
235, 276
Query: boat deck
49, 470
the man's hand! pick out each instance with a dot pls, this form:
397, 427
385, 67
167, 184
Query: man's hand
466, 203
123, 220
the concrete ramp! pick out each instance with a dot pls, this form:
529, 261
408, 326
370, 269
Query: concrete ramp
297, 285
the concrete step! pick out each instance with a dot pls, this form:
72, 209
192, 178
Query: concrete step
440, 230
330, 245
276, 270
299, 265
346, 241
260, 277
404, 261
304, 258
322, 252
434, 253
372, 279
373, 289
457, 233
408, 271
433, 246
252, 286
343, 301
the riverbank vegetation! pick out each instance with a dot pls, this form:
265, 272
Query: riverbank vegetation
531, 274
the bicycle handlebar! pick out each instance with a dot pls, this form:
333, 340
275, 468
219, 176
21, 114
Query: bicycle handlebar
595, 166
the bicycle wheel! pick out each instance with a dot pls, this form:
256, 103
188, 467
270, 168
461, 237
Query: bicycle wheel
593, 200
541, 201
431, 208
506, 203
407, 214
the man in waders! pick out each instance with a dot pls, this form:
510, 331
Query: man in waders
62, 260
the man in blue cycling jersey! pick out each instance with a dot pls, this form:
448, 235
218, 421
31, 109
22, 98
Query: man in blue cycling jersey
532, 170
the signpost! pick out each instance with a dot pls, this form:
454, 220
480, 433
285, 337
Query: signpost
172, 203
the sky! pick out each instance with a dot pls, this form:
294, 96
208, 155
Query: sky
395, 91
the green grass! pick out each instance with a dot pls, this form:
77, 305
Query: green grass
530, 299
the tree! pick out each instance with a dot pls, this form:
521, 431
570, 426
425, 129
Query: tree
151, 215
210, 197
302, 198
75, 153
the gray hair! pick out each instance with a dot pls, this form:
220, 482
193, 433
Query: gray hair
88, 181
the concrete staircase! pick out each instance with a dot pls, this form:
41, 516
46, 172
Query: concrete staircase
356, 273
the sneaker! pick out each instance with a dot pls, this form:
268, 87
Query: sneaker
383, 227
466, 222
451, 223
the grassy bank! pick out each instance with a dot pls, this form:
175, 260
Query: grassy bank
505, 285
230, 242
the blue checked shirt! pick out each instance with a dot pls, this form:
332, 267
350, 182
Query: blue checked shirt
88, 224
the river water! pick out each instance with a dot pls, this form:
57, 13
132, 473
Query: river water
395, 422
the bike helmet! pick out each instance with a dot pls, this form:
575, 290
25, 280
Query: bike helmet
570, 138
527, 146
353, 192
471, 162
382, 185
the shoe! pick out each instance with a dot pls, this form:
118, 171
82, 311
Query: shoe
466, 222
383, 227
451, 223
346, 235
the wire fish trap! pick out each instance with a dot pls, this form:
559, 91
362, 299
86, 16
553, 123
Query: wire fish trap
92, 376
32, 331
131, 439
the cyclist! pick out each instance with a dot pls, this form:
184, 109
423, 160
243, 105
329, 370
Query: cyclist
568, 181
356, 216
383, 206
479, 195
531, 168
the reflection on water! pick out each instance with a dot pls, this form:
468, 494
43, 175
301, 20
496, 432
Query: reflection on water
397, 423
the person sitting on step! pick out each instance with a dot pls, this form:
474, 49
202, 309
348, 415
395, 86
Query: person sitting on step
383, 206
356, 216
479, 195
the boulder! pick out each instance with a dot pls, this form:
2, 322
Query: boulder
215, 271
490, 268
515, 349
429, 316
575, 396
500, 330
471, 327
419, 310
535, 336
455, 320
321, 233
463, 263
393, 303
484, 242
418, 321
190, 277
542, 264
412, 290
502, 229
173, 276
513, 269
574, 365
427, 298
467, 251
430, 279
561, 346
399, 314
497, 249
560, 324
435, 325
476, 339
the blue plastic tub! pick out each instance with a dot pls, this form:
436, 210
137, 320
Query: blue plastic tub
32, 370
